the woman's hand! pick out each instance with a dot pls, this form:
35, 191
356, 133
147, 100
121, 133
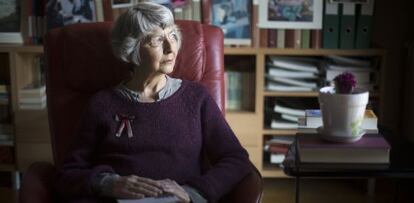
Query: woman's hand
135, 187
171, 187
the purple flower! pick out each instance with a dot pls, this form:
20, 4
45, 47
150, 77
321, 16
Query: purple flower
345, 83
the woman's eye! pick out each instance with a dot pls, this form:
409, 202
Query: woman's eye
157, 41
173, 36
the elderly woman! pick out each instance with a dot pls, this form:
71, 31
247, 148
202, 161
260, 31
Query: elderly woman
150, 135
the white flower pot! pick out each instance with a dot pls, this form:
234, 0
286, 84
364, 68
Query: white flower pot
342, 114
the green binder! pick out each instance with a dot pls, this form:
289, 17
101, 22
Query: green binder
330, 35
347, 26
364, 23
305, 39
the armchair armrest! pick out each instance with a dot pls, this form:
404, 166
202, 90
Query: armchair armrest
248, 190
38, 183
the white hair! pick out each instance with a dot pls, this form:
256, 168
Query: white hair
134, 25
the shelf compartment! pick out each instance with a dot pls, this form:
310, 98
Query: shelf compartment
283, 113
274, 150
240, 79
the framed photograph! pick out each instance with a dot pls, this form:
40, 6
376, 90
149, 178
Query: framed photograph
10, 22
291, 14
234, 18
122, 3
66, 12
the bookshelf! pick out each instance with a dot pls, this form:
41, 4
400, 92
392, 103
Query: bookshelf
31, 135
249, 125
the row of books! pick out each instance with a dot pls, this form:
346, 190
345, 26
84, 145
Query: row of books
276, 148
311, 73
33, 95
290, 38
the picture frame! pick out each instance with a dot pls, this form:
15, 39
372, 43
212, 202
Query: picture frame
122, 3
234, 18
66, 12
291, 14
10, 22
350, 1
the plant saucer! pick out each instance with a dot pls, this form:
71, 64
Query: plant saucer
342, 139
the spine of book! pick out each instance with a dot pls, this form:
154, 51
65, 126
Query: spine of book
99, 11
305, 39
107, 10
289, 38
316, 39
263, 38
271, 38
196, 6
298, 39
206, 11
255, 21
280, 38
25, 22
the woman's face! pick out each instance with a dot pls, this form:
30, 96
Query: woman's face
159, 50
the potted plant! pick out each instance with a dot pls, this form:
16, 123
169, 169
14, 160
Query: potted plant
343, 107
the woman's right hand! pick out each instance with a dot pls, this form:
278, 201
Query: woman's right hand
135, 187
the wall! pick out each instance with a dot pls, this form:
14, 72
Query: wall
391, 31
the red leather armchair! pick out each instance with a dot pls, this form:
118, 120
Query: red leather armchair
80, 62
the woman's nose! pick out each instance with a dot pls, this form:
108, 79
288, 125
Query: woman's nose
167, 46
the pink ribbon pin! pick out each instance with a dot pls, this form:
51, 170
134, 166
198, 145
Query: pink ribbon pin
125, 122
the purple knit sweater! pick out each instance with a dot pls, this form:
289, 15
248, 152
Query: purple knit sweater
169, 139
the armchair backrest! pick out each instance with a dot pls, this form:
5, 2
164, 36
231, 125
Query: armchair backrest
80, 62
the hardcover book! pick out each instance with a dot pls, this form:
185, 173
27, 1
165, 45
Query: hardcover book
370, 149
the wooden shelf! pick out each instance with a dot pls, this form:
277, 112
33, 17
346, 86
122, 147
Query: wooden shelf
284, 132
240, 112
21, 48
324, 52
7, 167
240, 51
303, 52
303, 94
270, 171
290, 94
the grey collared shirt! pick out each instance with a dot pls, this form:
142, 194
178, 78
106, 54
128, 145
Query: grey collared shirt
171, 86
